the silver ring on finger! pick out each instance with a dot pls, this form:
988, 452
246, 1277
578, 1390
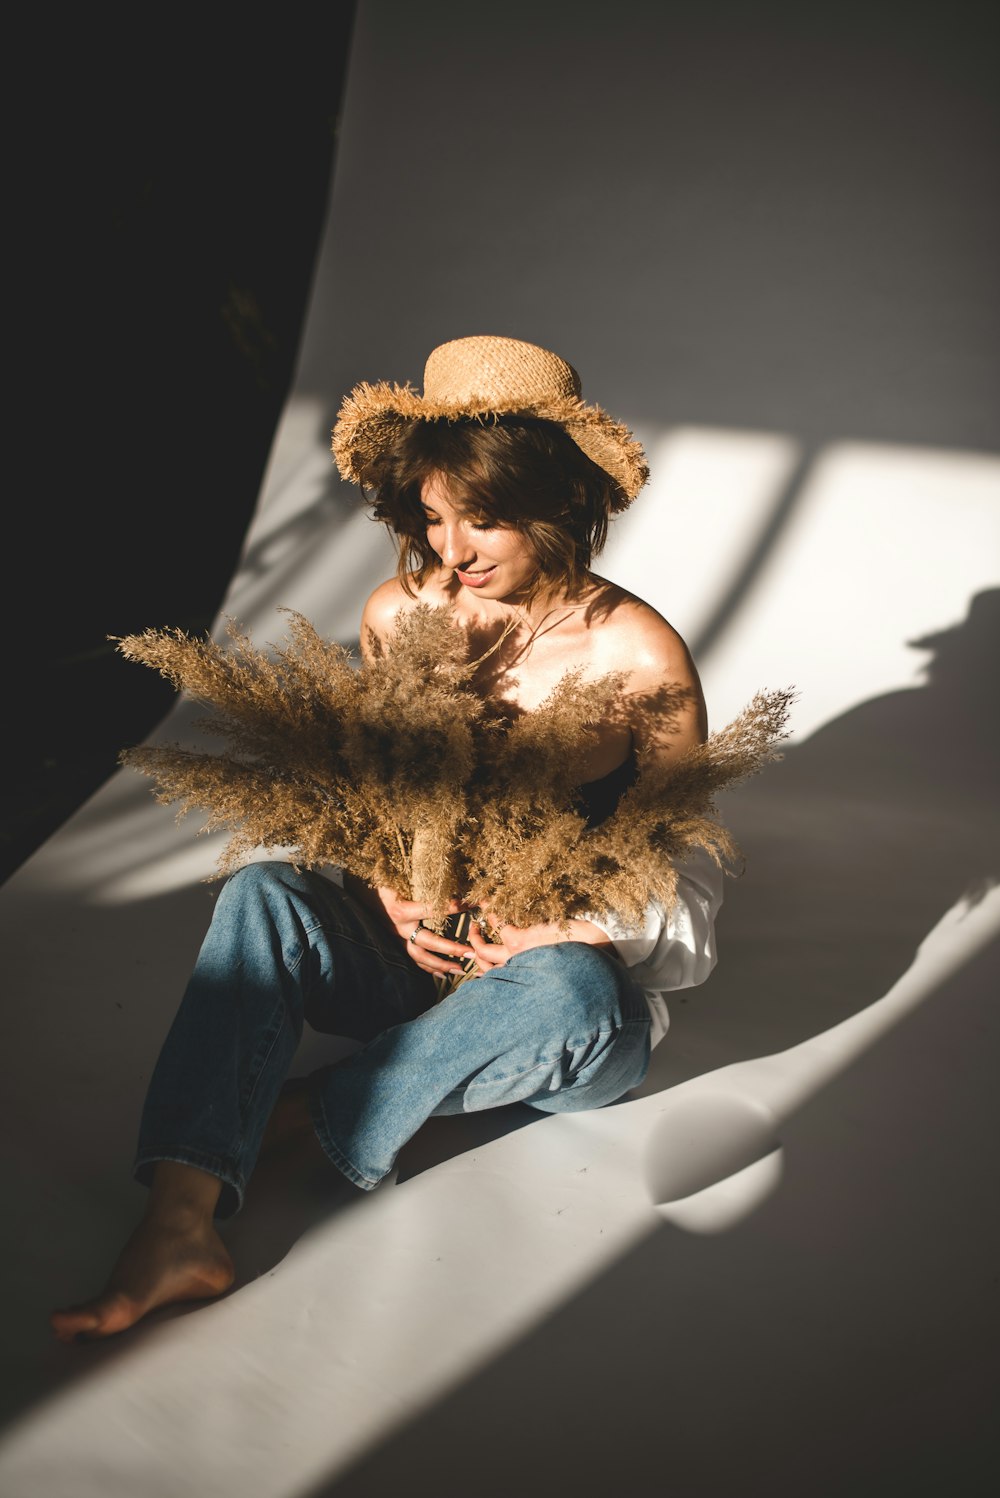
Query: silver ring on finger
413, 934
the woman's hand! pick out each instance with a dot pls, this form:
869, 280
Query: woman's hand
509, 940
434, 954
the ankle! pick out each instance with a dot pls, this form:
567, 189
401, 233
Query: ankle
182, 1196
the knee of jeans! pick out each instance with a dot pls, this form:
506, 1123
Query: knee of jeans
261, 881
573, 985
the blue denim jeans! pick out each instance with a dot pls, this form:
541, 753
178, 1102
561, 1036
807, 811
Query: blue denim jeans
558, 1027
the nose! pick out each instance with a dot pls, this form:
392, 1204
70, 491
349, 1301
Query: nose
455, 545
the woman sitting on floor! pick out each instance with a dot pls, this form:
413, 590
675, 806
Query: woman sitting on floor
498, 484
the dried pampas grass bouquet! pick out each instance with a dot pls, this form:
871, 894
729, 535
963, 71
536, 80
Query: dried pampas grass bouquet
396, 770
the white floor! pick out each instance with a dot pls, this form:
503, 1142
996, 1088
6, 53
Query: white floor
774, 1270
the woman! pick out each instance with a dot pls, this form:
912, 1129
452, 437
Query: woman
498, 483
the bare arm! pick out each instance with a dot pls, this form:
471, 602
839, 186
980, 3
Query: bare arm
664, 700
379, 613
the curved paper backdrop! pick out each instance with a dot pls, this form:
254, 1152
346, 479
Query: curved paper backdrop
766, 239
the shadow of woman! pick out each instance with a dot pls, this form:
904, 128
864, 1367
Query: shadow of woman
856, 844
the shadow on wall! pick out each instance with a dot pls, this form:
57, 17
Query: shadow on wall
333, 508
856, 845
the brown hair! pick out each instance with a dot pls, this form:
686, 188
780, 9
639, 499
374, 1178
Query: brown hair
511, 471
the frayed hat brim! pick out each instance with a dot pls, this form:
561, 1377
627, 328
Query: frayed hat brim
372, 416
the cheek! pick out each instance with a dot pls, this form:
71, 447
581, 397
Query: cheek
514, 549
526, 557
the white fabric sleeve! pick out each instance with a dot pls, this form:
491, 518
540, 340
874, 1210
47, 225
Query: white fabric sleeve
674, 949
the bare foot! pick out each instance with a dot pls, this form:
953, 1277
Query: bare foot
163, 1262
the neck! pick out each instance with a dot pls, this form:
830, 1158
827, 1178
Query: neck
532, 614
508, 632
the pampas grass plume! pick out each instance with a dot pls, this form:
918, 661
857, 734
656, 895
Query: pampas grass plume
397, 771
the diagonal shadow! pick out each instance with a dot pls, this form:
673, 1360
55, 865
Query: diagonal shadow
755, 558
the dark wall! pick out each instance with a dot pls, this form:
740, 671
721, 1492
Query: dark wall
173, 189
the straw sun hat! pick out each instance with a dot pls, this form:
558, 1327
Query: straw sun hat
482, 378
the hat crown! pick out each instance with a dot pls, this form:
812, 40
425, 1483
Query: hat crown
491, 373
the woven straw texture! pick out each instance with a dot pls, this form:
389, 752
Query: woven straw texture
483, 377
474, 371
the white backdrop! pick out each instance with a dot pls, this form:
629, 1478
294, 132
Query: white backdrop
764, 242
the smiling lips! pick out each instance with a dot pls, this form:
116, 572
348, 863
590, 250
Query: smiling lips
475, 579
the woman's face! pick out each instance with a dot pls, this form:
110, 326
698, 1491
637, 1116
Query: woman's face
493, 561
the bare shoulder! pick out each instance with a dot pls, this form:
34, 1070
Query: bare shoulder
379, 614
382, 606
637, 639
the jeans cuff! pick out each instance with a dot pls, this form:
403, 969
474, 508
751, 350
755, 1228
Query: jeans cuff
318, 1116
233, 1185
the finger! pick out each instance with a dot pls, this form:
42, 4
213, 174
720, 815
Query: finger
431, 963
487, 964
412, 910
438, 967
479, 942
429, 944
487, 953
434, 941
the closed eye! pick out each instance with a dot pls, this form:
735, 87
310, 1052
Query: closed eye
477, 525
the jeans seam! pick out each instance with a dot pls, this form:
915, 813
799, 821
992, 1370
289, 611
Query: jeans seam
335, 1155
403, 965
264, 1055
